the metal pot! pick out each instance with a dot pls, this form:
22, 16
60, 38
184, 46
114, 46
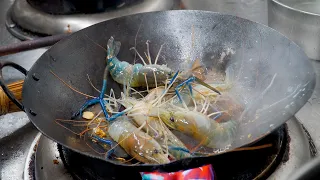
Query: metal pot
299, 20
254, 10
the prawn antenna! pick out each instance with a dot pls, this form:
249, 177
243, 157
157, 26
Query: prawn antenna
157, 57
96, 43
148, 49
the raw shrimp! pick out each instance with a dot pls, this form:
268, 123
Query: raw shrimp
198, 125
142, 75
139, 75
136, 143
153, 125
200, 92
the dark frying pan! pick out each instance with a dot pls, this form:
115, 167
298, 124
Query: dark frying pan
272, 75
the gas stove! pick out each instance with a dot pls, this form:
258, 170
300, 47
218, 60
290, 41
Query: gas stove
41, 158
26, 154
47, 159
57, 17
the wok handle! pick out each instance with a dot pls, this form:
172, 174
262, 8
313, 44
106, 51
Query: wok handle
5, 87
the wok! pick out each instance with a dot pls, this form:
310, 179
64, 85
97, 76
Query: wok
272, 76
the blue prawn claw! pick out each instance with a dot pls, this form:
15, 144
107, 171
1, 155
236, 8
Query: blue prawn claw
105, 141
90, 103
100, 100
113, 50
188, 83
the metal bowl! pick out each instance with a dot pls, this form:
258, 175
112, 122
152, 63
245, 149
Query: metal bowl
254, 10
299, 20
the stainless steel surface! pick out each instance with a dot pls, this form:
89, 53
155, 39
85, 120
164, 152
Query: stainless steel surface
298, 154
303, 27
254, 10
16, 131
28, 172
11, 122
13, 152
36, 21
308, 171
25, 59
46, 152
309, 115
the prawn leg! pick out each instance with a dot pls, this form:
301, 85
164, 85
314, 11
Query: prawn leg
105, 141
100, 100
180, 151
188, 83
96, 100
84, 106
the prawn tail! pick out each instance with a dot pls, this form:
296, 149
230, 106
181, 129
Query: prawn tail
224, 134
230, 125
176, 148
198, 70
179, 152
113, 48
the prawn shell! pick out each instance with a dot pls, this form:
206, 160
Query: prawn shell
155, 128
136, 143
200, 127
150, 72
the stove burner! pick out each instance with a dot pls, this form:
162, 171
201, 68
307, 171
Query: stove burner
29, 170
29, 19
82, 167
239, 165
76, 6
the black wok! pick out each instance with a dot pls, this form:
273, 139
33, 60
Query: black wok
272, 75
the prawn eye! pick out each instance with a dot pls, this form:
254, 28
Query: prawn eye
170, 74
156, 151
172, 119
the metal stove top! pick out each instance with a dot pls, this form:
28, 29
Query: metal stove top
17, 134
44, 159
21, 17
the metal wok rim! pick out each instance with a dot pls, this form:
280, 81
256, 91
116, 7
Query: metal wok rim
152, 167
294, 9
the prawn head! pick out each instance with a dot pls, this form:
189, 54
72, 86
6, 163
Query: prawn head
138, 144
